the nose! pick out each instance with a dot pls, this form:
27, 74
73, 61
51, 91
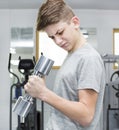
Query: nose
58, 40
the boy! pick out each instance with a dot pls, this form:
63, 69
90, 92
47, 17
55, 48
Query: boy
77, 97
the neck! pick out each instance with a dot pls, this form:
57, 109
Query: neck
79, 43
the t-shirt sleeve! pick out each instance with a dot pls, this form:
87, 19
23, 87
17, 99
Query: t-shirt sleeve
90, 72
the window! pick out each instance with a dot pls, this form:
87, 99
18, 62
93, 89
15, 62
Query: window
116, 45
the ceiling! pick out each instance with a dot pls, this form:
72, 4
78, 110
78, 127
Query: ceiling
75, 4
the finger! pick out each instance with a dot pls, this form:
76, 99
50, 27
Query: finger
25, 87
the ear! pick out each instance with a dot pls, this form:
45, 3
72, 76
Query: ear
75, 20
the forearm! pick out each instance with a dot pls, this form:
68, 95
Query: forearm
74, 110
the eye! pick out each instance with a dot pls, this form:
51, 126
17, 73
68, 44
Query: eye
60, 33
52, 37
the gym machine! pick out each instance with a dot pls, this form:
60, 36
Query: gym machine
112, 90
30, 122
114, 83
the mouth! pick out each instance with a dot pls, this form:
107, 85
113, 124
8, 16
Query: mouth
64, 45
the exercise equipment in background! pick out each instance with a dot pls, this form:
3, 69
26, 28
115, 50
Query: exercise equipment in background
111, 100
32, 120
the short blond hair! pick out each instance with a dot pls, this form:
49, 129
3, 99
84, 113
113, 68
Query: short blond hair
52, 12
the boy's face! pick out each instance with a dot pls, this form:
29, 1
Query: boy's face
64, 34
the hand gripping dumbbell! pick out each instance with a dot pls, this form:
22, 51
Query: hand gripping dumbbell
24, 103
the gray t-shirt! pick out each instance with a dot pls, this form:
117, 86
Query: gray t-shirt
82, 69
